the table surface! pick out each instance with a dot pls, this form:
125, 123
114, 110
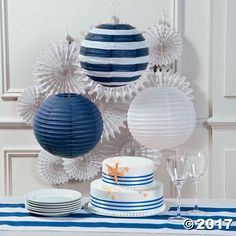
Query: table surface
202, 202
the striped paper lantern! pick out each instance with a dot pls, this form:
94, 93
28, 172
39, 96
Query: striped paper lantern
114, 54
68, 125
161, 118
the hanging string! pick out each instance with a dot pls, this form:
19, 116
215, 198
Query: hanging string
164, 16
114, 17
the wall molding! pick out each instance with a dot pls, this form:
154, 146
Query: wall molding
9, 155
8, 93
222, 122
18, 123
15, 123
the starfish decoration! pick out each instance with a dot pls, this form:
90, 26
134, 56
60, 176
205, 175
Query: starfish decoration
114, 171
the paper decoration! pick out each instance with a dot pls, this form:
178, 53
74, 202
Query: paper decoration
82, 168
51, 168
28, 103
114, 117
115, 94
114, 54
165, 44
68, 125
169, 79
161, 118
57, 69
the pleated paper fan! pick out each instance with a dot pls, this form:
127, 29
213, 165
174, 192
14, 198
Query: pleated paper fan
165, 44
114, 116
82, 168
169, 79
51, 169
58, 70
28, 103
122, 94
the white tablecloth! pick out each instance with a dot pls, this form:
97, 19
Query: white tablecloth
13, 217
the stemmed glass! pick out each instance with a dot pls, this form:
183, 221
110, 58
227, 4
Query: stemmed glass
178, 172
197, 164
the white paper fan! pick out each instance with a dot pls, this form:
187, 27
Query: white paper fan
165, 44
29, 101
114, 116
58, 70
51, 168
82, 168
122, 94
169, 79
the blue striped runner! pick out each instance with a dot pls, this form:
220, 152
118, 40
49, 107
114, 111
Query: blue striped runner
13, 216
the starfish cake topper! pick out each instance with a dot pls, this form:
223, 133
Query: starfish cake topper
114, 171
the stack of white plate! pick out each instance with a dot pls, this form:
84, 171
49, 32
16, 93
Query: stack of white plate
53, 202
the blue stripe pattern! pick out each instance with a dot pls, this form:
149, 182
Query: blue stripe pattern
158, 223
113, 67
109, 208
114, 38
121, 41
61, 224
93, 52
115, 26
122, 202
128, 180
126, 206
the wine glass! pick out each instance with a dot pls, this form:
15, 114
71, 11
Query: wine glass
178, 172
197, 164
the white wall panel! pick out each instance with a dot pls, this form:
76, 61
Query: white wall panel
230, 163
223, 120
230, 49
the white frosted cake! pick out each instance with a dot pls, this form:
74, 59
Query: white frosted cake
127, 188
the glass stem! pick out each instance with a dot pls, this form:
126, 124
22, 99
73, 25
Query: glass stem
196, 197
178, 198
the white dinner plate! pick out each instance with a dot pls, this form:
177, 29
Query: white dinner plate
52, 214
61, 205
53, 196
75, 207
52, 204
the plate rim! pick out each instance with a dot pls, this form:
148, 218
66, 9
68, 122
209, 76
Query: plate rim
31, 195
54, 210
53, 204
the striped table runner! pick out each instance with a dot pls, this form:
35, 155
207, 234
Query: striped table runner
13, 216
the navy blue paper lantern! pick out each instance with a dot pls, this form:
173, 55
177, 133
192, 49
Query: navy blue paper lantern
68, 125
114, 54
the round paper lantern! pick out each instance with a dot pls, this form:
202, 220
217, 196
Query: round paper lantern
68, 125
161, 118
114, 54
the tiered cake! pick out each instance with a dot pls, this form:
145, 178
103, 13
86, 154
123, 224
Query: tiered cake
126, 189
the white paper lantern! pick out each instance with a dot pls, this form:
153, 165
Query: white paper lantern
161, 118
